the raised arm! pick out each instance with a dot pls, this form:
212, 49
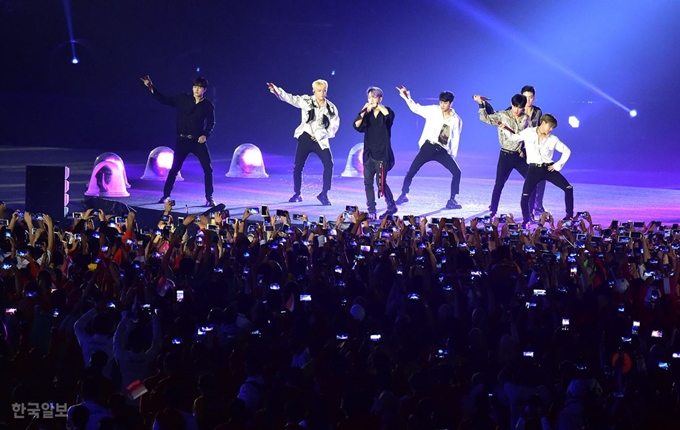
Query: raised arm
484, 115
157, 339
79, 326
359, 120
169, 101
415, 107
120, 337
297, 101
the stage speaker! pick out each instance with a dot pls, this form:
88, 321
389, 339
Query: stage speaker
47, 190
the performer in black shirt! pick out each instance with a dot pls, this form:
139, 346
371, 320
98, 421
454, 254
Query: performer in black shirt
195, 122
375, 121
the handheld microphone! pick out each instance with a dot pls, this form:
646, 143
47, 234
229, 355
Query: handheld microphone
505, 127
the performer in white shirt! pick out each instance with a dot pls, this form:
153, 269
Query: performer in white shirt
539, 145
438, 142
320, 122
534, 113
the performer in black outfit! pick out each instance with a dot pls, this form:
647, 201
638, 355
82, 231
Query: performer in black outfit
195, 122
375, 121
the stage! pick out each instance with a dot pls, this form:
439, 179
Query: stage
606, 191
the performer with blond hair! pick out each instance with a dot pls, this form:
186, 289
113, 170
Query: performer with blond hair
320, 122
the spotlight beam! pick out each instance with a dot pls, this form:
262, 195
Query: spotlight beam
496, 25
69, 25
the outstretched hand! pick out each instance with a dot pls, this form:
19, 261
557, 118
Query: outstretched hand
147, 81
403, 92
272, 89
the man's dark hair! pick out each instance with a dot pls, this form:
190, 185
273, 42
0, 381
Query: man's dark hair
201, 82
80, 415
446, 96
519, 100
549, 119
528, 89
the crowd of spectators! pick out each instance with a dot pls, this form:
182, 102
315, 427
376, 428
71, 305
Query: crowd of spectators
209, 321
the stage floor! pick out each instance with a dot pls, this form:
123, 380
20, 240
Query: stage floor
606, 194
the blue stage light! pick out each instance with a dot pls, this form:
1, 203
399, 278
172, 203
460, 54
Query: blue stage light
74, 60
632, 113
333, 72
574, 122
198, 69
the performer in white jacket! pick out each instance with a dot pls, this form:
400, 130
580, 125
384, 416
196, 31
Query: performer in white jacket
320, 122
438, 142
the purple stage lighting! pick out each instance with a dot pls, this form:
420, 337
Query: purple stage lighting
159, 163
251, 158
247, 162
164, 160
633, 113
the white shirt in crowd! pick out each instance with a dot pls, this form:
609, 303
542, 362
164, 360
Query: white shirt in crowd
315, 128
135, 365
541, 152
90, 343
434, 121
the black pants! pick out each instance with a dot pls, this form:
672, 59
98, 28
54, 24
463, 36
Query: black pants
183, 148
506, 163
371, 171
540, 191
432, 152
305, 147
536, 174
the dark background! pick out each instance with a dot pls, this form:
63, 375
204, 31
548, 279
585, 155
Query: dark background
591, 59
